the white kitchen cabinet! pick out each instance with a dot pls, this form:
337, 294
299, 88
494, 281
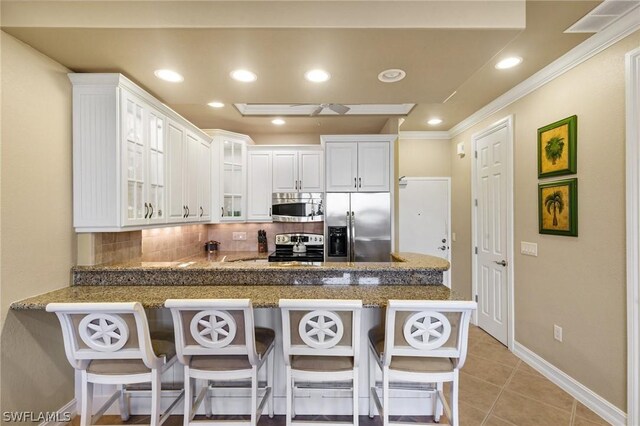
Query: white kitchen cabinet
229, 176
298, 170
204, 181
123, 163
176, 141
362, 166
259, 178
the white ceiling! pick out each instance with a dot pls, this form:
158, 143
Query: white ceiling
444, 46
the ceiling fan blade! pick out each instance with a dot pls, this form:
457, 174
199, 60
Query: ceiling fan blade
317, 111
339, 108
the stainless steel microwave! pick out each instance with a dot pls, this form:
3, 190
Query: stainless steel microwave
297, 207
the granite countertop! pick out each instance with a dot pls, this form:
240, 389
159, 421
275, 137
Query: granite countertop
245, 261
261, 296
252, 268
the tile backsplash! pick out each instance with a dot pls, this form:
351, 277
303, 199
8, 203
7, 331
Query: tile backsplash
224, 233
178, 242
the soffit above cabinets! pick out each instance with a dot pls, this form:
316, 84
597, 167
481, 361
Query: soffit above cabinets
457, 55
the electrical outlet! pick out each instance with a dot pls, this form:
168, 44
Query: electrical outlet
557, 332
453, 237
199, 236
528, 249
239, 236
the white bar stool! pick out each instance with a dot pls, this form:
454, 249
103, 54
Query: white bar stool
216, 340
425, 342
110, 343
321, 344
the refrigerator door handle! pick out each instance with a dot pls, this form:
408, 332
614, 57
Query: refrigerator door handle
348, 237
353, 237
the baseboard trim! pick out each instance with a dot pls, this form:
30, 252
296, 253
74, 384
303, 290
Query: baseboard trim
69, 407
586, 396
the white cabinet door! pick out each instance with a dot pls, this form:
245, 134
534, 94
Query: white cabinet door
204, 182
157, 185
373, 167
176, 140
310, 173
259, 178
285, 171
134, 141
191, 179
342, 166
233, 180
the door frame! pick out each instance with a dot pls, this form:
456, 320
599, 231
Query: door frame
632, 87
506, 122
448, 180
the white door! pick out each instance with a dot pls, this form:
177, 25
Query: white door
424, 216
176, 153
373, 167
492, 262
204, 182
342, 166
310, 171
259, 186
285, 171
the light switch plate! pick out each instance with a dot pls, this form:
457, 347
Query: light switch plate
239, 236
528, 249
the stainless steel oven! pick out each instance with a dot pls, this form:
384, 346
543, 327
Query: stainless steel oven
297, 207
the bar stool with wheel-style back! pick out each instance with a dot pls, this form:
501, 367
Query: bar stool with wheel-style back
321, 345
216, 340
110, 344
423, 342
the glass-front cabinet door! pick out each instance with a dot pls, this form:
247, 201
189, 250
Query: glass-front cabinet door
137, 208
233, 168
144, 158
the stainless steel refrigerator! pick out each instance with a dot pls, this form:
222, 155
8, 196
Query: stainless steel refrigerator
357, 227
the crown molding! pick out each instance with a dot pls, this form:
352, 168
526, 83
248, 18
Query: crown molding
579, 54
412, 135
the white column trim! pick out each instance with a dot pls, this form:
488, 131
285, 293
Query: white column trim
632, 71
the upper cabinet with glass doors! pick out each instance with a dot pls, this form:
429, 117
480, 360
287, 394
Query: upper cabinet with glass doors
230, 152
121, 154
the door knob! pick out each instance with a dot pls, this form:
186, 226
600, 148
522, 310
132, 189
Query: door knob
502, 262
443, 248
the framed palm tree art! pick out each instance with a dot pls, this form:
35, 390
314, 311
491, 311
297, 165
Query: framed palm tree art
558, 207
557, 148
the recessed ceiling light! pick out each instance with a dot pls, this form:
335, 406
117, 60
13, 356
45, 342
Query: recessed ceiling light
168, 75
434, 121
244, 76
317, 76
391, 75
215, 104
278, 121
509, 62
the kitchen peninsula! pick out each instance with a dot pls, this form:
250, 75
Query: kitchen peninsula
408, 276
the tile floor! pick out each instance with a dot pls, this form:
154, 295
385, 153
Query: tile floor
496, 389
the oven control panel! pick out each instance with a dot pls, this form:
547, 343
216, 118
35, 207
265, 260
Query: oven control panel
305, 239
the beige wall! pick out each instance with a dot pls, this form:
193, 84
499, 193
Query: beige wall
37, 238
577, 283
424, 157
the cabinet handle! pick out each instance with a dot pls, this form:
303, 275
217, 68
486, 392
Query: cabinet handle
201, 211
188, 212
296, 184
222, 208
300, 186
146, 210
151, 214
269, 211
184, 211
355, 182
360, 182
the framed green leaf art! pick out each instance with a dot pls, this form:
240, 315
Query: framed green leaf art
557, 150
558, 207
